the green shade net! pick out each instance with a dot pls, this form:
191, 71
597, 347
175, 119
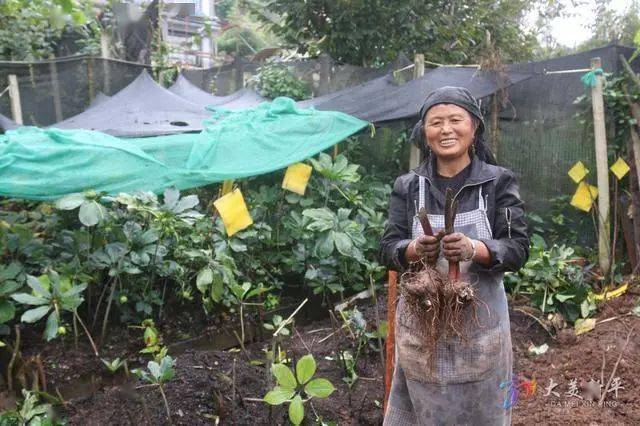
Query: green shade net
43, 164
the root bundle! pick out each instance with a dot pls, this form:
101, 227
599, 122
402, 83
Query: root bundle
439, 308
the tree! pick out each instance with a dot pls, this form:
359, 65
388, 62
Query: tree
610, 26
30, 29
373, 32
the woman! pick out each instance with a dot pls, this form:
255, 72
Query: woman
464, 386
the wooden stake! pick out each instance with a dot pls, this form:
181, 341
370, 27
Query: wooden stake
418, 71
391, 335
14, 95
494, 125
602, 170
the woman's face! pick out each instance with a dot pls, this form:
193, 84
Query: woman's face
449, 131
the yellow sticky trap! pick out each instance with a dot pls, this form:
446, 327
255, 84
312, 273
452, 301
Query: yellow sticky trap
584, 197
296, 178
227, 186
620, 168
233, 212
578, 172
611, 294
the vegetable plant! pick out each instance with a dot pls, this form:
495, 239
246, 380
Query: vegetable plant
290, 388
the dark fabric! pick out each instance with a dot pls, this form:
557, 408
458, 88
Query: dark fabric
509, 246
143, 108
463, 98
454, 182
383, 99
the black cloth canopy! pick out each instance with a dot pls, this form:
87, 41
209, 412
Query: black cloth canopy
242, 99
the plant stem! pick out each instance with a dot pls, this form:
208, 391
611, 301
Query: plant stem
93, 345
97, 312
106, 314
14, 355
166, 404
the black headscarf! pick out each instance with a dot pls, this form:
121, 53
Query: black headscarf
464, 99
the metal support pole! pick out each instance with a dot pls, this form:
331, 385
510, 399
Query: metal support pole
55, 89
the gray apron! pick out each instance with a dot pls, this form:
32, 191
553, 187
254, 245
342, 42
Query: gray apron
464, 386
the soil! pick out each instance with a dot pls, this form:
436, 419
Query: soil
214, 385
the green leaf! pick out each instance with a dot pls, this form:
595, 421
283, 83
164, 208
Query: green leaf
204, 279
305, 368
33, 315
7, 311
91, 213
284, 376
70, 202
296, 410
51, 329
343, 243
320, 388
278, 395
154, 369
324, 246
564, 297
36, 285
27, 299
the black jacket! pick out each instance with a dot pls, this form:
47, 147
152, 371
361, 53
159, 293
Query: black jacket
509, 247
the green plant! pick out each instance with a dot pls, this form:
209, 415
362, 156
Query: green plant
276, 322
30, 412
52, 294
290, 388
91, 211
157, 374
554, 281
114, 365
275, 79
11, 280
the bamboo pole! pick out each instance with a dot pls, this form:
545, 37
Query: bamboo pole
418, 71
14, 95
604, 226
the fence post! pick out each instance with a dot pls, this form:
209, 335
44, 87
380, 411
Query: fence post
325, 72
14, 96
105, 53
90, 79
55, 87
494, 124
418, 71
601, 169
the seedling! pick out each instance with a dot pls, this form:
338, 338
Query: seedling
275, 323
290, 388
114, 365
29, 412
156, 375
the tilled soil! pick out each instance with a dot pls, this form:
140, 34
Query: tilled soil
206, 390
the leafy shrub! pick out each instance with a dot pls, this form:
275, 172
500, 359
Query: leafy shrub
274, 79
553, 281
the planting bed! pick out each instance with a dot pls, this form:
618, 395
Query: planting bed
204, 389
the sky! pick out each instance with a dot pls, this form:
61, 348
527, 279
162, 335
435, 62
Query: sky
573, 30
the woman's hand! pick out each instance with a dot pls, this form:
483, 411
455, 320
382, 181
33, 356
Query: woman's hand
425, 247
457, 247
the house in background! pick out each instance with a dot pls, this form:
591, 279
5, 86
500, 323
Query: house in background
182, 22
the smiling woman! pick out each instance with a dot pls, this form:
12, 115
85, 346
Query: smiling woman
455, 378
